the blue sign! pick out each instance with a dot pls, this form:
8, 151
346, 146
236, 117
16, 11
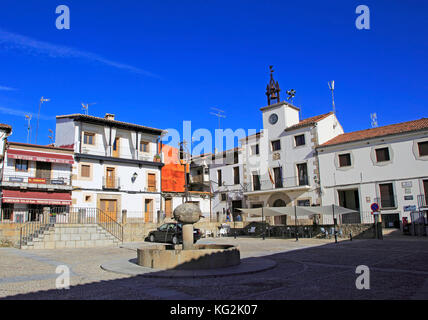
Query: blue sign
374, 207
409, 208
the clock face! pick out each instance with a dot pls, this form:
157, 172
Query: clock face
273, 118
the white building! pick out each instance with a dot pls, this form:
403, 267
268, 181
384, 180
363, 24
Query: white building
118, 165
227, 182
5, 131
35, 180
281, 163
385, 165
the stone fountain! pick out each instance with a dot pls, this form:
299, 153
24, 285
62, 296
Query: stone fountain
188, 256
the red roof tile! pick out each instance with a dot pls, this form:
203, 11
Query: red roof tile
308, 121
392, 129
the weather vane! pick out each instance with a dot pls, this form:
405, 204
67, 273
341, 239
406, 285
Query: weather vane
291, 94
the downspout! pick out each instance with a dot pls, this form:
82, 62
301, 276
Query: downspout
2, 169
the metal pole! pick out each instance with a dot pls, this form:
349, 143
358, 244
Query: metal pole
335, 223
295, 222
264, 224
38, 117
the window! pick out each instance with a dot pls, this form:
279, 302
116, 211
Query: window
219, 180
387, 195
302, 171
382, 155
277, 172
89, 138
255, 149
85, 171
151, 177
299, 140
256, 182
21, 165
88, 198
236, 175
144, 146
344, 160
223, 197
304, 203
276, 145
236, 158
423, 148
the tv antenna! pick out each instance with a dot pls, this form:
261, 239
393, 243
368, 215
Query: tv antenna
219, 114
373, 117
331, 86
28, 117
51, 136
38, 115
86, 107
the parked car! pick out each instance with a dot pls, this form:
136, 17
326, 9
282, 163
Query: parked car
171, 232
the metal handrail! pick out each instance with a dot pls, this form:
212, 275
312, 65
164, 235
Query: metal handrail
74, 215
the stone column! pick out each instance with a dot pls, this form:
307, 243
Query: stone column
124, 216
188, 236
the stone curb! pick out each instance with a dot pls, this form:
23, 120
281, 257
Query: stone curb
247, 266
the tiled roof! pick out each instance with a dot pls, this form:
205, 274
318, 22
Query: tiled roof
392, 129
6, 127
308, 122
88, 118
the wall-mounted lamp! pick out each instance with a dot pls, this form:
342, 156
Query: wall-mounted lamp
134, 177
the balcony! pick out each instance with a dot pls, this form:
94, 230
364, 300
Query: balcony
111, 183
423, 201
286, 184
387, 203
24, 182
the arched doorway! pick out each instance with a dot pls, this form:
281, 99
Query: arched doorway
280, 219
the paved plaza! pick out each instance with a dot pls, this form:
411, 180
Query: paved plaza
307, 269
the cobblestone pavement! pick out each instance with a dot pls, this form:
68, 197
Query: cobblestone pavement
307, 269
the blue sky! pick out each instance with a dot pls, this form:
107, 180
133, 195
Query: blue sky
158, 63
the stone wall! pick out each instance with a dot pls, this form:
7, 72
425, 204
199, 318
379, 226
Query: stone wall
9, 234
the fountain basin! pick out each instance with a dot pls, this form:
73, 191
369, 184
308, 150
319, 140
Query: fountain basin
202, 256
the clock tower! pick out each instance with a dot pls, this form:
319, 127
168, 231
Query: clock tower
279, 115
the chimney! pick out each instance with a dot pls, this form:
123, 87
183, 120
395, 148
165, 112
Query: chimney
109, 116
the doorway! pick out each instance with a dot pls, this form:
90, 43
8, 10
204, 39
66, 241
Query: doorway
168, 208
109, 208
116, 148
148, 210
110, 178
280, 220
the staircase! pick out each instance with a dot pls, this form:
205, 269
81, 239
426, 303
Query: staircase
60, 236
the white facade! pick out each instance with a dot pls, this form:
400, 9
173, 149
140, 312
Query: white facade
358, 183
115, 167
227, 181
283, 169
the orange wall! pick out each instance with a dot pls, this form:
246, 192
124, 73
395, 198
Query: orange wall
172, 172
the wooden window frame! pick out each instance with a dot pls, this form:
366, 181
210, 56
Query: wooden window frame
348, 155
88, 133
21, 161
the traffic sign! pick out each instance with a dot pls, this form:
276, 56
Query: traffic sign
374, 207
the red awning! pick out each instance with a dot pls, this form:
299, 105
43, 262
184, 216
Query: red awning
50, 198
40, 156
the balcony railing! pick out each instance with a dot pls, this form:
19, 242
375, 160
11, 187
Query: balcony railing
111, 183
423, 200
121, 153
16, 179
386, 202
289, 182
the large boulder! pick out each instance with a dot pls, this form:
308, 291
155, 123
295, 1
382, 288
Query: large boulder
187, 213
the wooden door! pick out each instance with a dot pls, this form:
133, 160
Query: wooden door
110, 178
43, 170
151, 182
148, 209
168, 208
109, 208
116, 147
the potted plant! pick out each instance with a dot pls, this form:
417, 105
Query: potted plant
157, 158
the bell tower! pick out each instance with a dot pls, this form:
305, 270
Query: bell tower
272, 90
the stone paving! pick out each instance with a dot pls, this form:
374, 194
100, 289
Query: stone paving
307, 269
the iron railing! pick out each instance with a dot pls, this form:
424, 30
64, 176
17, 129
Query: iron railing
65, 215
423, 200
387, 202
288, 182
111, 183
